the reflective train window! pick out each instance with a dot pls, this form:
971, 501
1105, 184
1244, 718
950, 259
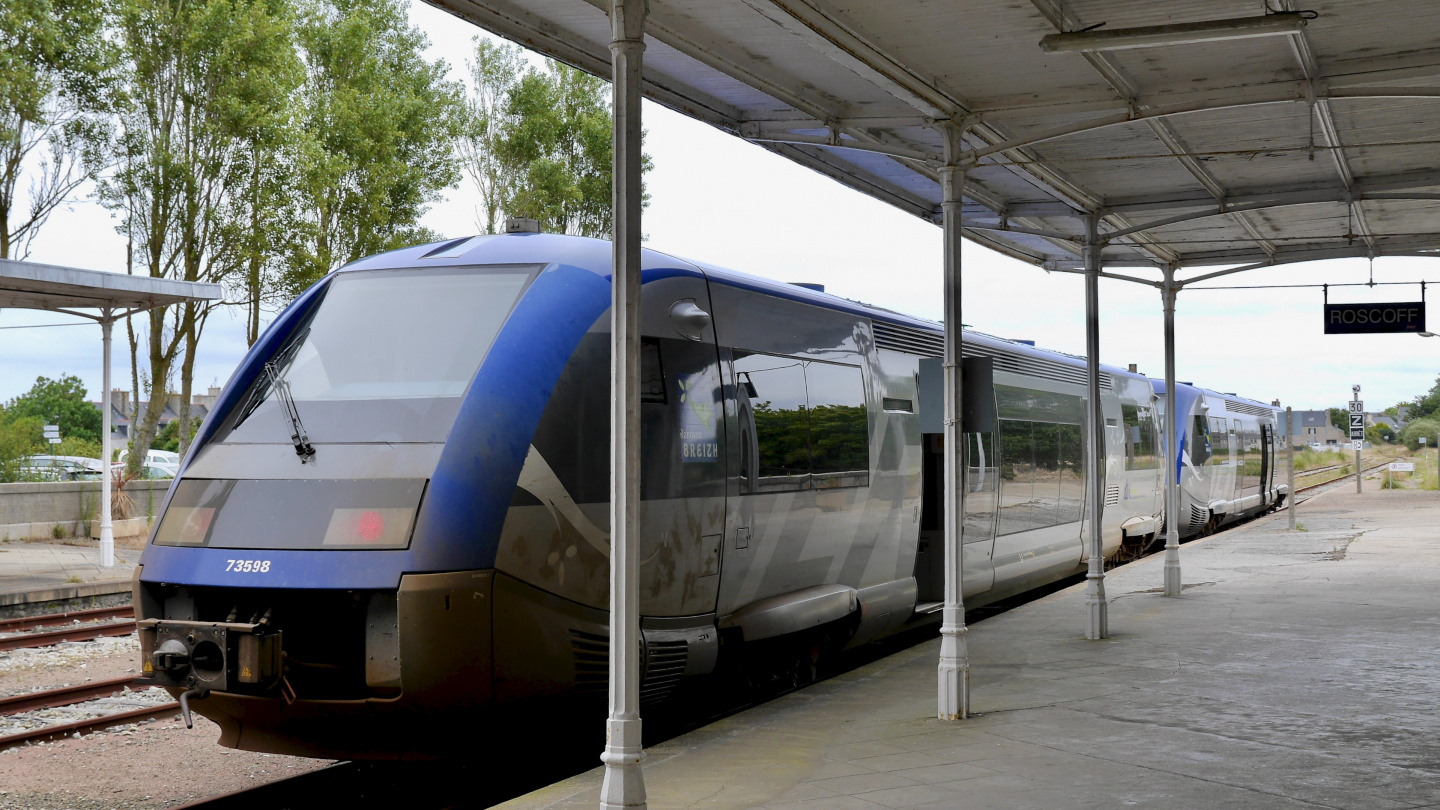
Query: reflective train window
839, 426
803, 424
1200, 442
982, 483
774, 428
1042, 472
1219, 454
1141, 447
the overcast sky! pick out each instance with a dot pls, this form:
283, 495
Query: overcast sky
719, 199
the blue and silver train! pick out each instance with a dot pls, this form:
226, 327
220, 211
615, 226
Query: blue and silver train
396, 514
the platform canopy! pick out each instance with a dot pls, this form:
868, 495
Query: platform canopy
1218, 133
27, 285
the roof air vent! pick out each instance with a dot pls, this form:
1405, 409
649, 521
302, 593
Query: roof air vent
1024, 342
522, 225
809, 286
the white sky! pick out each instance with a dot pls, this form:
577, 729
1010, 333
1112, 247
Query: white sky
719, 199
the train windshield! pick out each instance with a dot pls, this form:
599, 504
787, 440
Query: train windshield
387, 355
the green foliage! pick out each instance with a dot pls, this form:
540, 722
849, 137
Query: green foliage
378, 122
1429, 428
1340, 418
537, 143
64, 398
169, 436
1427, 404
19, 437
54, 65
203, 82
496, 69
77, 446
783, 438
1379, 433
1394, 410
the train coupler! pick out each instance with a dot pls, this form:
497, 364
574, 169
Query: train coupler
220, 656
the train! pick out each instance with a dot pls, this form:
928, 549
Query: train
395, 518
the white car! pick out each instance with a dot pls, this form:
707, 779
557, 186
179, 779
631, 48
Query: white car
154, 457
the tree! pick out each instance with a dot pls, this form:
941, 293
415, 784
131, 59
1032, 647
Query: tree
54, 66
497, 68
19, 437
380, 122
1429, 428
201, 78
1427, 404
555, 146
1379, 433
1340, 418
62, 399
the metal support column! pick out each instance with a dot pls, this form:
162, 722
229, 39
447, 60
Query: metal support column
1097, 624
1290, 458
1172, 475
954, 682
624, 785
107, 480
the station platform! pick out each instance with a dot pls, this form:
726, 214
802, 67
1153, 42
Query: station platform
1299, 669
49, 577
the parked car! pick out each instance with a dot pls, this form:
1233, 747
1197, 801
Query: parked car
153, 471
61, 468
154, 457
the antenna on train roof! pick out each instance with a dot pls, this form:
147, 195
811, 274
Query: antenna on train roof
522, 225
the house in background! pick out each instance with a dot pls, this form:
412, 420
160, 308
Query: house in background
120, 410
1314, 428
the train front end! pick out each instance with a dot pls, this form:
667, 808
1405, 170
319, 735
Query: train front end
320, 579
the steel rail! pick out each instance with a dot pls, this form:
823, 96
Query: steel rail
93, 724
52, 619
69, 695
52, 637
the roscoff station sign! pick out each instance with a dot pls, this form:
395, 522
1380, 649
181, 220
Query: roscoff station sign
1363, 319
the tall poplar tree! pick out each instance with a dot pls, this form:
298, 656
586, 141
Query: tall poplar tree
54, 67
379, 123
202, 78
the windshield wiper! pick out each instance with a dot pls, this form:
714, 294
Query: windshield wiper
281, 387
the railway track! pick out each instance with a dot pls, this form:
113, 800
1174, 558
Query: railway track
75, 696
78, 625
1310, 487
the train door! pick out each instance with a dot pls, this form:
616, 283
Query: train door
982, 478
1267, 456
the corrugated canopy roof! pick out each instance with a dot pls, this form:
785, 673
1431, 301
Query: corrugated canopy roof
27, 285
1239, 133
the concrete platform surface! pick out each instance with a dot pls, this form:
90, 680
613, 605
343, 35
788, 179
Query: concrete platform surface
1299, 669
47, 566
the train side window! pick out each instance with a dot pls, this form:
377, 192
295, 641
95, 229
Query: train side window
1140, 441
1219, 441
652, 373
774, 422
839, 426
1042, 475
981, 485
1200, 442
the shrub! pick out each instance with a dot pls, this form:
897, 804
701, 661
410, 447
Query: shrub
1429, 428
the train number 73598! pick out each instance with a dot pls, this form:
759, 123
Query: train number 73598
247, 566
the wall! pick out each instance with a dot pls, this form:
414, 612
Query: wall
36, 511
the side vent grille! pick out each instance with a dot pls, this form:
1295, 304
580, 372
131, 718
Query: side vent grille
592, 661
1112, 496
908, 339
664, 666
1198, 516
1253, 410
661, 671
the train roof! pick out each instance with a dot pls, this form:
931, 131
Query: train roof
594, 255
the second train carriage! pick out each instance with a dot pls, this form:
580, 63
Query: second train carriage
1228, 460
443, 555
